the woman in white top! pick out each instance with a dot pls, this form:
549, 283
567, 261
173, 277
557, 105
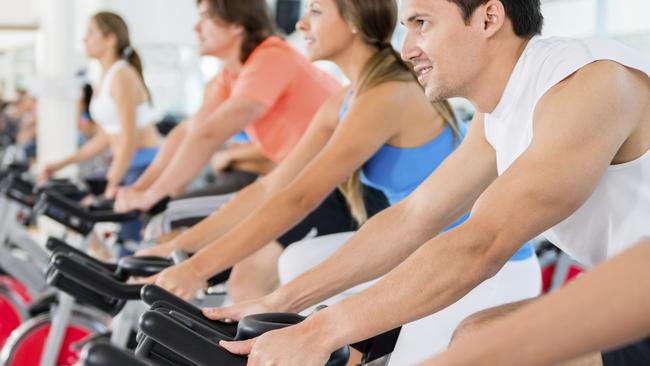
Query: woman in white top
121, 106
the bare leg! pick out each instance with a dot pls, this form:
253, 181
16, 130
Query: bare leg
485, 317
257, 275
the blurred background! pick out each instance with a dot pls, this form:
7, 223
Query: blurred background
43, 66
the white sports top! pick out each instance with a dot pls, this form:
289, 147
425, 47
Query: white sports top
103, 108
617, 214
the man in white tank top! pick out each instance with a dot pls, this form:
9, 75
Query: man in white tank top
560, 146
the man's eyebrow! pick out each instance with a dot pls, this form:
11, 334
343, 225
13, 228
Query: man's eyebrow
413, 17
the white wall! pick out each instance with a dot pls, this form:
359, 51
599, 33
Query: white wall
17, 12
151, 22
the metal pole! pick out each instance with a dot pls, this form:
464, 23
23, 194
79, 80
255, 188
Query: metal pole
57, 88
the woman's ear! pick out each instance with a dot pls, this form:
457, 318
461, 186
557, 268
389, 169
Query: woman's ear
112, 41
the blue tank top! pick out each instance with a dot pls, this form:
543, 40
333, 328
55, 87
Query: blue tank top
398, 171
241, 138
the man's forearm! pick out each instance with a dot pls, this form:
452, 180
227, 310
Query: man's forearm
381, 250
192, 155
602, 309
435, 276
202, 139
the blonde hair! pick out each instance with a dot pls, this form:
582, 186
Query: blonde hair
375, 20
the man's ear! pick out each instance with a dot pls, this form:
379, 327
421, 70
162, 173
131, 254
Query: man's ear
491, 16
238, 29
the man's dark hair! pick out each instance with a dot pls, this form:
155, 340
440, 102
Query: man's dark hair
252, 15
525, 15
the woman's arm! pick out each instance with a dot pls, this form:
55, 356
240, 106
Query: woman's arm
193, 153
249, 198
202, 141
211, 100
605, 308
93, 147
373, 118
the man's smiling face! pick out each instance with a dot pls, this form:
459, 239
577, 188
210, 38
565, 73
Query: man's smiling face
446, 52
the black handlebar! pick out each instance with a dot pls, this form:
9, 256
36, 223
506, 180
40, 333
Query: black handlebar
105, 354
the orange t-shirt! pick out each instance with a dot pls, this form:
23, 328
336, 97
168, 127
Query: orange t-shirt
288, 85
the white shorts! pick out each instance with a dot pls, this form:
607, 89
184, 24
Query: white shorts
517, 280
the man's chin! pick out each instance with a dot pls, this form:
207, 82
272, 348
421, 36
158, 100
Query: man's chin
431, 93
436, 94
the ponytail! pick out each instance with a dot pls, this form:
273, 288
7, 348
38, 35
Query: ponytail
133, 58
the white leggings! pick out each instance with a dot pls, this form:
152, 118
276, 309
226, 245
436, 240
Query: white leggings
517, 280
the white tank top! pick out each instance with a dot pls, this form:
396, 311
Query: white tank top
617, 214
104, 111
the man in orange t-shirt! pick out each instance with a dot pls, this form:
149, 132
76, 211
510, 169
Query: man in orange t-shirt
266, 88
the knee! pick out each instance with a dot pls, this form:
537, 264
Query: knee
248, 281
238, 283
236, 277
289, 264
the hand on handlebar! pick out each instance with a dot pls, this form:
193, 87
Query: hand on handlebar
111, 192
238, 311
182, 280
271, 348
130, 199
221, 161
48, 171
